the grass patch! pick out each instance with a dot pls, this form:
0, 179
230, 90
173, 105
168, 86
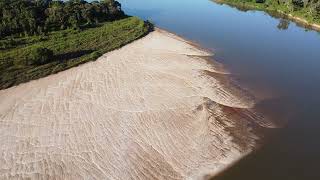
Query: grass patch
70, 48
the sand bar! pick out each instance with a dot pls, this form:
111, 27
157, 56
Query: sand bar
151, 110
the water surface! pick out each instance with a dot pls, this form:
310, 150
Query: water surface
279, 63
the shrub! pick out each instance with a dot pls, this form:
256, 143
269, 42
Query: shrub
297, 4
317, 9
95, 55
39, 56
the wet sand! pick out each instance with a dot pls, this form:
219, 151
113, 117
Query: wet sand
153, 109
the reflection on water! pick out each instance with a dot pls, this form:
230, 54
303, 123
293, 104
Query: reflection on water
275, 14
274, 58
284, 22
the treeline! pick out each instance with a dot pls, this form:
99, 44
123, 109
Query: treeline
31, 17
306, 9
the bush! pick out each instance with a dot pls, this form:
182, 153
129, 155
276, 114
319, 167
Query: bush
39, 56
317, 9
95, 55
297, 4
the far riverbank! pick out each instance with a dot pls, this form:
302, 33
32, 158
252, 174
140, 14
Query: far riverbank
245, 6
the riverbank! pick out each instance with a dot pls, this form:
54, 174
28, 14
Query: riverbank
153, 109
32, 57
244, 6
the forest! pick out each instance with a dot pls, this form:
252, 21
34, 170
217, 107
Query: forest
43, 37
29, 17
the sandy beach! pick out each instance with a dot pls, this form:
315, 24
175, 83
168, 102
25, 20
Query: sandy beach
153, 109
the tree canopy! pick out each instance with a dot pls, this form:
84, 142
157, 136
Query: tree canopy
29, 17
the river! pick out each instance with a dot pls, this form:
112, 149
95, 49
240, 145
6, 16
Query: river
278, 61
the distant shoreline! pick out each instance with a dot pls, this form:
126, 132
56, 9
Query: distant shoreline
273, 12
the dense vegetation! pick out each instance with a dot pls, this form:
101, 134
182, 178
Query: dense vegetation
29, 17
306, 9
32, 46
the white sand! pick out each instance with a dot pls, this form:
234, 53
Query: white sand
145, 111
